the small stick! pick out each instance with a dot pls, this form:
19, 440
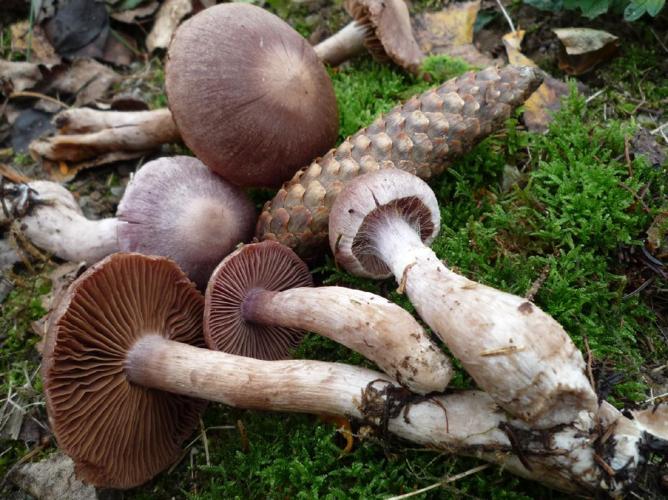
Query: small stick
536, 285
26, 93
590, 372
447, 480
505, 14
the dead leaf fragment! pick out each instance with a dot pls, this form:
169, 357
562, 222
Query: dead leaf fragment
23, 40
18, 76
543, 103
513, 43
168, 19
450, 32
88, 79
584, 48
133, 16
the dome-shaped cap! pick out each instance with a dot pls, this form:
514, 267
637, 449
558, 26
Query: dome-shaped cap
266, 266
249, 95
119, 434
390, 35
178, 208
364, 203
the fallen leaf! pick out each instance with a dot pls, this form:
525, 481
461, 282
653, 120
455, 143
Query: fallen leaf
167, 20
35, 41
132, 16
78, 28
584, 48
543, 103
51, 479
450, 32
546, 100
87, 79
17, 76
513, 43
645, 144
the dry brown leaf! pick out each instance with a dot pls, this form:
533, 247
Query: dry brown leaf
584, 48
546, 99
168, 19
17, 76
513, 43
60, 171
40, 48
132, 16
450, 32
543, 103
88, 79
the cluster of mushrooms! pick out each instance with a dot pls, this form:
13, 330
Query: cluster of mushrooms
134, 348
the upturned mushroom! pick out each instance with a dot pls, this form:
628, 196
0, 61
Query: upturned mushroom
260, 301
174, 206
124, 383
381, 225
249, 95
383, 27
422, 136
84, 134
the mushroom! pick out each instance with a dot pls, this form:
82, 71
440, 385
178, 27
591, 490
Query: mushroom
174, 206
259, 302
381, 224
383, 27
84, 134
249, 95
422, 136
124, 379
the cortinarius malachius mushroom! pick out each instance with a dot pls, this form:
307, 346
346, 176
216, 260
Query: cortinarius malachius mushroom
260, 301
174, 206
124, 388
381, 26
381, 224
249, 95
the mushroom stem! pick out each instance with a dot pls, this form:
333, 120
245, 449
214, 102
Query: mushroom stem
85, 133
56, 224
467, 423
364, 322
517, 353
343, 45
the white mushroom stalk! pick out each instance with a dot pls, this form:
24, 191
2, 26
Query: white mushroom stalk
344, 44
84, 134
52, 220
466, 423
174, 206
260, 301
514, 351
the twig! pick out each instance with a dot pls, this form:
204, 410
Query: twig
658, 129
590, 372
538, 283
505, 14
654, 398
447, 480
594, 96
205, 441
663, 46
37, 95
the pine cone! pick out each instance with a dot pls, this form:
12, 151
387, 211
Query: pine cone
422, 136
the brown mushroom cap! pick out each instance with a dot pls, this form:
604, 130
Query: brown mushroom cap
365, 203
249, 95
390, 32
119, 434
178, 208
266, 266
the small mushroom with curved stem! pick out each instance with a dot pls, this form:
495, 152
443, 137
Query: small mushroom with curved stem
249, 95
84, 134
259, 302
118, 363
381, 26
381, 225
174, 207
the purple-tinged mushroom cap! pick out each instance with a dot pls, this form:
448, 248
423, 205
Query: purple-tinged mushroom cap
258, 267
178, 208
249, 95
365, 203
